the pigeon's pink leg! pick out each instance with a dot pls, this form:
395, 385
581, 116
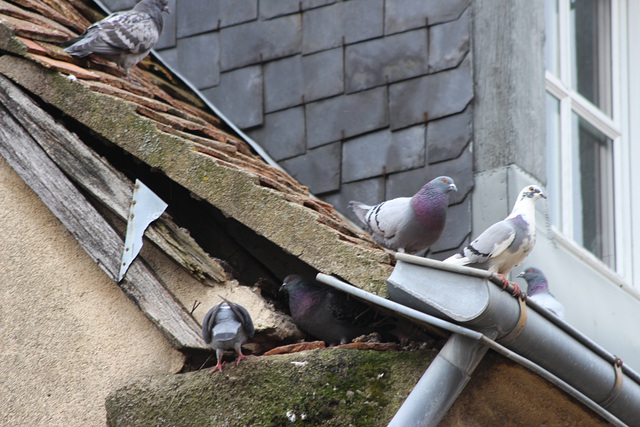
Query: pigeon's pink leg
240, 355
516, 291
218, 366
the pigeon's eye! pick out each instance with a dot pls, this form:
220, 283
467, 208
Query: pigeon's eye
444, 179
530, 270
531, 188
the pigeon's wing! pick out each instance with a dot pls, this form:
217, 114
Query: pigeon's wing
132, 32
349, 310
385, 218
243, 315
209, 322
491, 243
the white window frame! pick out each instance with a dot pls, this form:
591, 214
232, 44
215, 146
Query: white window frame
616, 127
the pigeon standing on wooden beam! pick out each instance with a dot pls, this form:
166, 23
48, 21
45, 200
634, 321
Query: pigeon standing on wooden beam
123, 37
227, 326
538, 291
507, 243
408, 224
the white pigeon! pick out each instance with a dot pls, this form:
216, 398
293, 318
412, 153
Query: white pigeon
507, 243
408, 224
123, 37
538, 291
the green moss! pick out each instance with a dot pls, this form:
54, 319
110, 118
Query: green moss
321, 387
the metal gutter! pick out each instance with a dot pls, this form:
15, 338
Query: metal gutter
422, 317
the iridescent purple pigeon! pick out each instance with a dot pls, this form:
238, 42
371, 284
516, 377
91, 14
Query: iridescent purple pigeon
226, 326
123, 37
408, 224
507, 243
328, 314
538, 291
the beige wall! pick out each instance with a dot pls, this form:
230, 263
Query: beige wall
68, 335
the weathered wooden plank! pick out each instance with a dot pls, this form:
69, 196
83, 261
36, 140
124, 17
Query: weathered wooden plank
105, 183
93, 233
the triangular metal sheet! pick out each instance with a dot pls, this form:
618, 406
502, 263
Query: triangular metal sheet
145, 208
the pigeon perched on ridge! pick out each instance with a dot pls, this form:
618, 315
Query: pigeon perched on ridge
226, 326
328, 314
538, 291
507, 243
408, 224
123, 37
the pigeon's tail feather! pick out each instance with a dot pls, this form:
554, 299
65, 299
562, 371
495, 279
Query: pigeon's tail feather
457, 259
360, 209
71, 42
224, 336
77, 50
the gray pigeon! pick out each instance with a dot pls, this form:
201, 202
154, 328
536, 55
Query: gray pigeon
329, 315
538, 291
408, 224
507, 243
123, 37
226, 326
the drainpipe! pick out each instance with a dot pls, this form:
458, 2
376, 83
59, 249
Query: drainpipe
441, 383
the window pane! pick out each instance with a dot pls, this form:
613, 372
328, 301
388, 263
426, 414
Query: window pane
553, 160
551, 36
591, 51
593, 191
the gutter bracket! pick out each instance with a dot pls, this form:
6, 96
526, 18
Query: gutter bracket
617, 387
517, 330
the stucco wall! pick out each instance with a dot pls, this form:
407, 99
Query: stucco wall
68, 335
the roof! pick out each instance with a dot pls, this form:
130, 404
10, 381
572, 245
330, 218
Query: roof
167, 126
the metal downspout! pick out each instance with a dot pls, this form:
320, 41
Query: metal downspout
441, 384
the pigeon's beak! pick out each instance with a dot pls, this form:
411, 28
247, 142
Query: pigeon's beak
166, 9
543, 196
522, 274
452, 187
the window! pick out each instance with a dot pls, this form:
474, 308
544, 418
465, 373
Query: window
587, 107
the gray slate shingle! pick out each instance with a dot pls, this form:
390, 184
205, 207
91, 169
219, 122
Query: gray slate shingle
323, 74
402, 15
283, 83
383, 152
346, 116
448, 43
437, 95
274, 8
355, 20
395, 58
239, 96
282, 134
244, 44
447, 137
197, 59
318, 169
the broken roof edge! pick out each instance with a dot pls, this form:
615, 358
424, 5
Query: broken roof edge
238, 192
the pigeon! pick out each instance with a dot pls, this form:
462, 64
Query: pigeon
538, 291
408, 224
328, 314
123, 37
507, 243
226, 326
